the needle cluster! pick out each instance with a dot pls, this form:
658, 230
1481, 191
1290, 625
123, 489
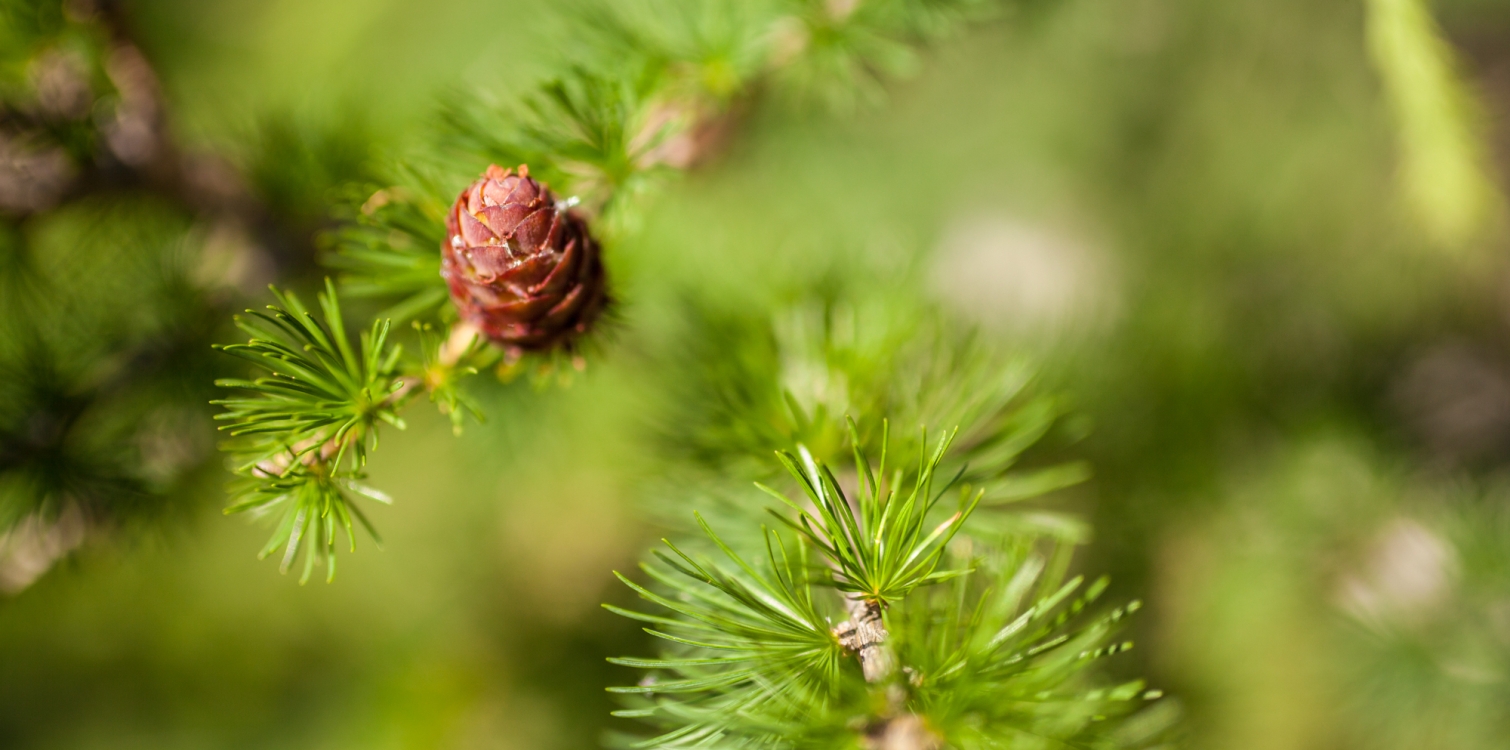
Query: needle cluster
300, 434
982, 640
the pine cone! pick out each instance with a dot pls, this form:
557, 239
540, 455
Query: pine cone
521, 266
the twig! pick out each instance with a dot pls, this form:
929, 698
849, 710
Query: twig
865, 634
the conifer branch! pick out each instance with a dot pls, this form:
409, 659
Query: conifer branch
68, 154
968, 644
604, 129
300, 437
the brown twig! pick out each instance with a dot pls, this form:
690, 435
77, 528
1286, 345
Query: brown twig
864, 633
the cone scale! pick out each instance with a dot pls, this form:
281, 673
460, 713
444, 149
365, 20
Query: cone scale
520, 265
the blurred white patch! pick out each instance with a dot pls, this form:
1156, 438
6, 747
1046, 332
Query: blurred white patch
1012, 275
31, 547
1408, 573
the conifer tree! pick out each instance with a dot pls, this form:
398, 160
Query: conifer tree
894, 603
862, 547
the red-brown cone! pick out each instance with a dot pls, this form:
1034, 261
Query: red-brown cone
522, 268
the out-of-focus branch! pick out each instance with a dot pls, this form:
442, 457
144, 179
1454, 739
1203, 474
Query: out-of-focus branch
135, 149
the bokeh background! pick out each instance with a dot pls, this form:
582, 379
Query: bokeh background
1260, 245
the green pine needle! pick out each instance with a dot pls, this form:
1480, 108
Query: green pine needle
300, 435
387, 248
994, 648
889, 550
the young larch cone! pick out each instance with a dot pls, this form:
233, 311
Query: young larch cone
521, 266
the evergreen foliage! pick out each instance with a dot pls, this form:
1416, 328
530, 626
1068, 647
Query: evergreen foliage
748, 384
822, 583
120, 254
606, 130
386, 248
992, 650
300, 435
954, 633
1422, 665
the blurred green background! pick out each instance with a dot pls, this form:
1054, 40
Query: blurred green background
1260, 250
